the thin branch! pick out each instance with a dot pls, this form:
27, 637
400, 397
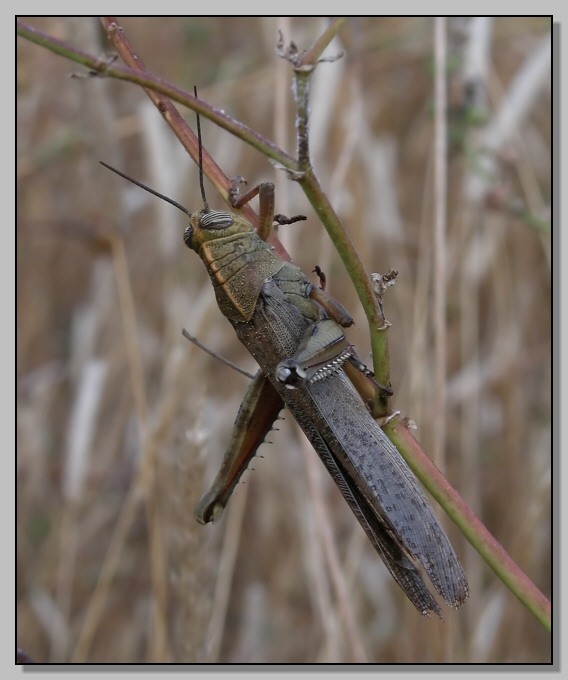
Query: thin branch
105, 68
169, 112
304, 64
472, 528
437, 485
313, 55
361, 281
302, 96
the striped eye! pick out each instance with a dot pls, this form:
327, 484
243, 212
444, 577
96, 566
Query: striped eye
215, 220
188, 236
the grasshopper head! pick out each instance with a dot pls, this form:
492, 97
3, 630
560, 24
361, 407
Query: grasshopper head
204, 225
208, 225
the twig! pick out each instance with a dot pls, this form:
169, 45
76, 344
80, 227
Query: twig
149, 81
323, 208
307, 179
472, 528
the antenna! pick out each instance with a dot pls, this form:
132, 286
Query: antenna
200, 146
143, 186
179, 206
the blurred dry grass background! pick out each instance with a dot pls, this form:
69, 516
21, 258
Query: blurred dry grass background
122, 423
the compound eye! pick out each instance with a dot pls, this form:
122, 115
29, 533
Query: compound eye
188, 236
215, 219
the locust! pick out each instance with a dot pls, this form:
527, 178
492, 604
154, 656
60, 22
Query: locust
296, 333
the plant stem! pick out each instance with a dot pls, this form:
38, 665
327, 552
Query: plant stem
475, 532
98, 67
379, 340
302, 171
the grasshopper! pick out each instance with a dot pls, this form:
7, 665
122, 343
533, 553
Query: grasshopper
295, 332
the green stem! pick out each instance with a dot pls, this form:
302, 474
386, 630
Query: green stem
477, 535
341, 241
147, 80
311, 56
469, 524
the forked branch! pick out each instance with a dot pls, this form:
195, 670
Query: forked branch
163, 93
